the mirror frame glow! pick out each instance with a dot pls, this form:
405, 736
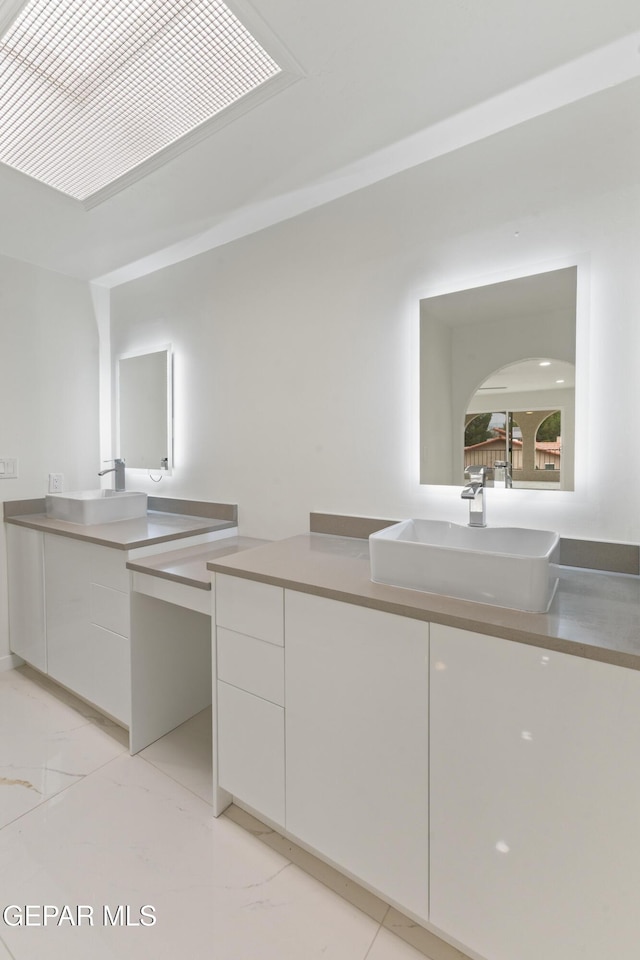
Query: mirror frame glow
165, 401
467, 334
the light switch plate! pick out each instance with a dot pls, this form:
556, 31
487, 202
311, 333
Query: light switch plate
8, 468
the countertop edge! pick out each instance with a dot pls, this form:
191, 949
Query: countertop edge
208, 526
486, 626
172, 577
156, 565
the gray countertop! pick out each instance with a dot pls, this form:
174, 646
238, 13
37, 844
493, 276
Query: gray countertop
189, 565
593, 614
156, 527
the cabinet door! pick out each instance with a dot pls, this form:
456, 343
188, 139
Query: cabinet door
25, 557
356, 696
251, 750
535, 800
88, 623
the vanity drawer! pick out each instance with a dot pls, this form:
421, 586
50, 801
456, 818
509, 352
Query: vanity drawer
108, 568
252, 608
252, 665
251, 750
109, 609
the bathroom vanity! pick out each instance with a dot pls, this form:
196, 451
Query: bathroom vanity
69, 591
475, 766
172, 605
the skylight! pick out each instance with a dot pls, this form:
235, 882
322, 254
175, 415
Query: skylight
90, 89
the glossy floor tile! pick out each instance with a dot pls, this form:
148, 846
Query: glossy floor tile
4, 953
131, 836
185, 755
348, 889
130, 847
46, 745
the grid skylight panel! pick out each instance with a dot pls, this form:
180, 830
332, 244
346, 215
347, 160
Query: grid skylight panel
90, 89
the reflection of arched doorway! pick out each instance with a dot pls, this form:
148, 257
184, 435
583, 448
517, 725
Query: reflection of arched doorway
549, 444
528, 439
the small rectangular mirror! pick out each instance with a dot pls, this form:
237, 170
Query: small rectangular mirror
144, 410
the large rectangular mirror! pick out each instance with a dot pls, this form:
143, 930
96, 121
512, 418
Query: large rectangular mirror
497, 381
144, 410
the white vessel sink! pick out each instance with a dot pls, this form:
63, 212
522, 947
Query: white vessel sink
505, 566
96, 506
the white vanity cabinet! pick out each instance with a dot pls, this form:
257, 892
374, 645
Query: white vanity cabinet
535, 800
26, 595
357, 742
250, 694
87, 622
346, 688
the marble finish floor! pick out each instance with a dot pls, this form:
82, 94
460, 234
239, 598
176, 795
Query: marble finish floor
82, 823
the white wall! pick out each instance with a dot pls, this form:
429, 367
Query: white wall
48, 390
296, 349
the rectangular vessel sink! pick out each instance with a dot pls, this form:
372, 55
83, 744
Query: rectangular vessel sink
505, 566
96, 506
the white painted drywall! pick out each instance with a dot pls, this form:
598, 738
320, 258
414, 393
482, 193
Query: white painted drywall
48, 390
296, 349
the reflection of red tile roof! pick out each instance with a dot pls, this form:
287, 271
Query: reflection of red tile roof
553, 446
495, 442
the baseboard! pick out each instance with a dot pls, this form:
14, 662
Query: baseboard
10, 661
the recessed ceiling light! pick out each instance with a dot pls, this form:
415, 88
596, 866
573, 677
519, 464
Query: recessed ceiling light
90, 89
545, 363
559, 381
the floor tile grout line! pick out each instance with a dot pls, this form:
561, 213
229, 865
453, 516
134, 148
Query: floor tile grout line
179, 782
375, 937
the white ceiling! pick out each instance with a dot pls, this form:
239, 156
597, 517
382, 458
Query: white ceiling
528, 376
432, 74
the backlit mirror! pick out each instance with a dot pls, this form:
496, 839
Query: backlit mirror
144, 413
497, 381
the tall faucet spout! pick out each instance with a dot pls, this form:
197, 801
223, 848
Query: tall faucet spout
473, 491
118, 469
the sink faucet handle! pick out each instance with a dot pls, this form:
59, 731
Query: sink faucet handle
480, 472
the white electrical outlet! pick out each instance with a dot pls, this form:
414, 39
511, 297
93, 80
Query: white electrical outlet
56, 482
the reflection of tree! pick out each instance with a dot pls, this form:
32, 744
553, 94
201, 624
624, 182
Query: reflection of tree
477, 430
549, 429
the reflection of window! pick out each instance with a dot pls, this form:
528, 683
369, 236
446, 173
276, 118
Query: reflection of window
530, 440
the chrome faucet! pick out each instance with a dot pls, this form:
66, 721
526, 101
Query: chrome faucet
118, 469
502, 474
473, 491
